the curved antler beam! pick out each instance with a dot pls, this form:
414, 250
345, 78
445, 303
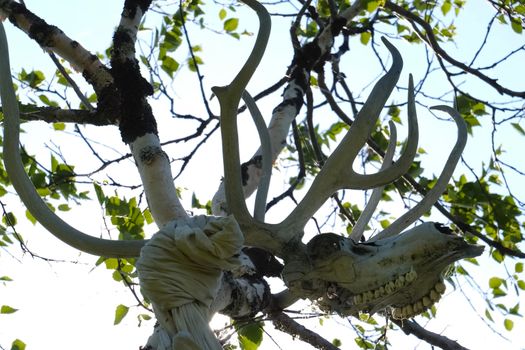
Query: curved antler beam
266, 153
229, 97
433, 195
337, 173
366, 215
24, 187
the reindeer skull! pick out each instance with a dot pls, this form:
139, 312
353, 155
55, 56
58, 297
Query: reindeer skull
402, 274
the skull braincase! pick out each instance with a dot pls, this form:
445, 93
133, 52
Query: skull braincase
403, 272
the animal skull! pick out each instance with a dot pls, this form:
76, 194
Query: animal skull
400, 274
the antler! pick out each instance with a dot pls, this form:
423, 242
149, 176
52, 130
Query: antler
255, 231
337, 173
366, 215
433, 195
259, 210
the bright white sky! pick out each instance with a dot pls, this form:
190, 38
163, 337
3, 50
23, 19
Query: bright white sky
71, 304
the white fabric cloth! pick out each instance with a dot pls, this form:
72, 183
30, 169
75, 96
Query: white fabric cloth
180, 270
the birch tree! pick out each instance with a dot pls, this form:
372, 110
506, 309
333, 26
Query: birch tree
346, 256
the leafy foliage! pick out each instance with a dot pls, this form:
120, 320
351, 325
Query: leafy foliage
479, 197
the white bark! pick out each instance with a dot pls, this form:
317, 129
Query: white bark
155, 171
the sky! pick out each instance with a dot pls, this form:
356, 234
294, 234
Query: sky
71, 303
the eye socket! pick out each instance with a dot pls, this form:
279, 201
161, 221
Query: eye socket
443, 229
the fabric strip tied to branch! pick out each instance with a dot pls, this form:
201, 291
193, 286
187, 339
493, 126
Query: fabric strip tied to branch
180, 270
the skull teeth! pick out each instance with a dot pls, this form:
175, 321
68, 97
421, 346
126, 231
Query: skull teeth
386, 289
434, 296
411, 275
440, 287
421, 305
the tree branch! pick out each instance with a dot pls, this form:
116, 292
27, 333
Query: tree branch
432, 41
285, 323
58, 115
411, 327
52, 38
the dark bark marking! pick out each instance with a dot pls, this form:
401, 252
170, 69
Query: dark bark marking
296, 101
39, 31
255, 161
337, 25
136, 116
43, 33
149, 154
130, 7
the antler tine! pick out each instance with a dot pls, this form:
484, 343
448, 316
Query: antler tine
337, 173
229, 98
366, 215
433, 195
266, 151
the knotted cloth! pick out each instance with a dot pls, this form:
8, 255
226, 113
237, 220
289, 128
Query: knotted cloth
180, 270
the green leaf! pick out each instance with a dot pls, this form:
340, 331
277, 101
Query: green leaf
516, 25
64, 207
47, 101
169, 65
18, 345
120, 313
30, 217
497, 292
371, 6
250, 336
117, 276
384, 223
509, 324
313, 81
148, 217
515, 310
111, 263
100, 193
193, 62
337, 342
488, 315
59, 126
6, 309
365, 37
518, 267
445, 8
521, 284
145, 317
9, 219
6, 279
222, 14
33, 79
495, 282
363, 343
496, 255
518, 127
231, 24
